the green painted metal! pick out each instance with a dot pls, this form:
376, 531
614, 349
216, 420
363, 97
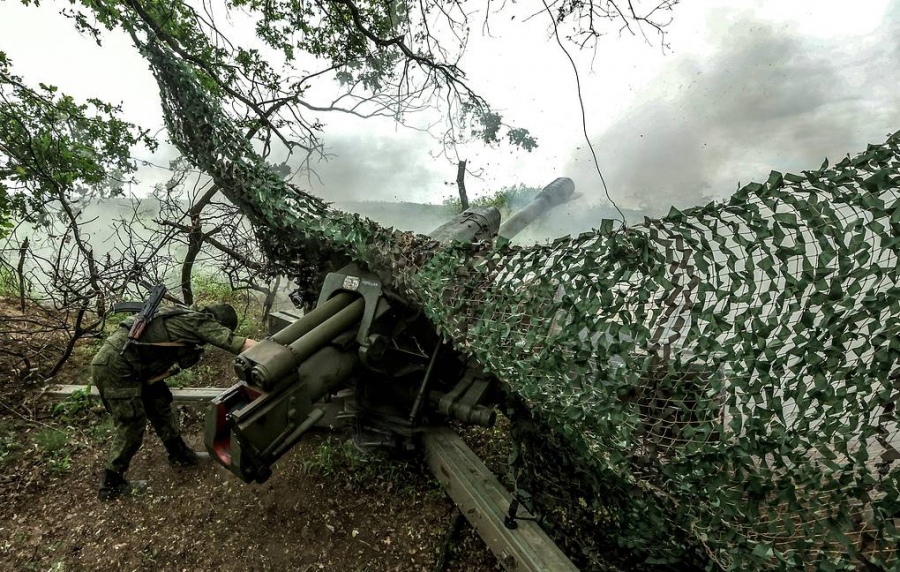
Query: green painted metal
179, 394
485, 503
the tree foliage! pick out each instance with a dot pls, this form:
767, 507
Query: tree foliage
386, 57
53, 147
390, 58
506, 200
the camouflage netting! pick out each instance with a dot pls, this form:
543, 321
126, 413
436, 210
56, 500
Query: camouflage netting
727, 370
719, 382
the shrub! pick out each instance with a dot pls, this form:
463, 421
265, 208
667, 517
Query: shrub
73, 407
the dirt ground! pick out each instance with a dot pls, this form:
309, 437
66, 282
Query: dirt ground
325, 507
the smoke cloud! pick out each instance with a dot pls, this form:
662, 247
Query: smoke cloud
385, 168
768, 100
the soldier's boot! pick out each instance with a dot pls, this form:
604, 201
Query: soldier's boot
114, 486
180, 455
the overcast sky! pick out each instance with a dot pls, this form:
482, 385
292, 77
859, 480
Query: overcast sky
774, 84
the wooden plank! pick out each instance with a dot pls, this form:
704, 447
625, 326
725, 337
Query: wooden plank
485, 502
180, 394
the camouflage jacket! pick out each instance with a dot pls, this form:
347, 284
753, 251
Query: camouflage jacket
143, 360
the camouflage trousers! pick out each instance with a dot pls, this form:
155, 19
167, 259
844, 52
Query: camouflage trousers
131, 403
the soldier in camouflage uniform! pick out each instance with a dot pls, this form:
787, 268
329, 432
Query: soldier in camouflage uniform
132, 388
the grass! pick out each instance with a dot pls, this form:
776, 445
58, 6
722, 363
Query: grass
74, 407
336, 458
209, 289
185, 378
9, 282
329, 459
54, 446
50, 445
250, 326
10, 447
200, 375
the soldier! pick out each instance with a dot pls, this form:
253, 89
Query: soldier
132, 388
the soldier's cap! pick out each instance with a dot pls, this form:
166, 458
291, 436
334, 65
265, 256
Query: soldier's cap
224, 314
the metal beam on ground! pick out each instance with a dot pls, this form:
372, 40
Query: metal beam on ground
181, 394
485, 503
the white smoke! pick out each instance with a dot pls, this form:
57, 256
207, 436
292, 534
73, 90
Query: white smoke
770, 100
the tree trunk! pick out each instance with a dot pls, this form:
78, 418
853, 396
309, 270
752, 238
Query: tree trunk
20, 270
461, 183
270, 299
195, 243
73, 339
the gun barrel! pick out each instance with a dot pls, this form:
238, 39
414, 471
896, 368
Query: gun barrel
475, 223
554, 194
281, 361
313, 319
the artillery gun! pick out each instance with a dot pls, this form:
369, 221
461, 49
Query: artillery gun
365, 357
360, 336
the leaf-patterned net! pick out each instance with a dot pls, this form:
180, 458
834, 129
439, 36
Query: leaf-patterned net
714, 387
